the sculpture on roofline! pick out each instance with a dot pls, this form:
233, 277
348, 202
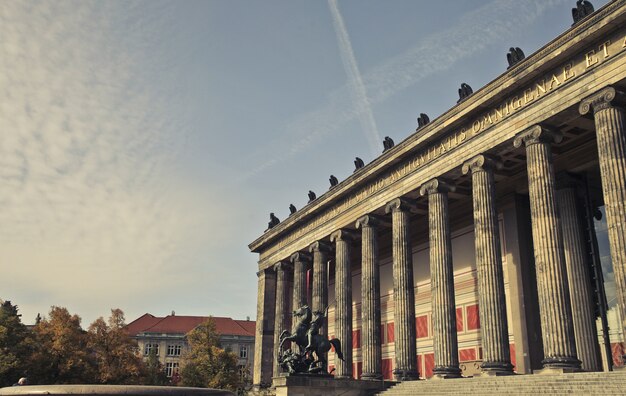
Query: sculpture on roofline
358, 164
422, 120
311, 347
387, 143
514, 56
333, 181
583, 9
273, 221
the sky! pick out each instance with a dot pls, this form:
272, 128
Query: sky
143, 144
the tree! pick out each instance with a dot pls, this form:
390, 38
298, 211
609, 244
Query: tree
153, 371
61, 354
14, 344
114, 351
205, 364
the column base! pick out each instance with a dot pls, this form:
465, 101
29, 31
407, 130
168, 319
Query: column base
372, 376
621, 368
557, 370
566, 363
406, 375
496, 369
446, 372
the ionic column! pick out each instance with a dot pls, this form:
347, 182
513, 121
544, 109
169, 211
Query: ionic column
610, 123
491, 300
579, 279
282, 317
264, 332
445, 343
403, 292
301, 262
371, 350
552, 286
343, 298
320, 251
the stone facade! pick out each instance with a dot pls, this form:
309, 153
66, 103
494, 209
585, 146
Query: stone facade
461, 251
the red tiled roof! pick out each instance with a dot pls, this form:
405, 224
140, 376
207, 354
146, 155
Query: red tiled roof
183, 324
143, 322
248, 325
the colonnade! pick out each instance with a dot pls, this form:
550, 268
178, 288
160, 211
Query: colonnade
565, 300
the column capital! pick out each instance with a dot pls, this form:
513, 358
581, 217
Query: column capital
300, 256
399, 205
343, 235
436, 185
265, 271
283, 266
370, 220
320, 246
602, 99
480, 163
537, 134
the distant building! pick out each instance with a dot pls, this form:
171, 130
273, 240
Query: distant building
166, 335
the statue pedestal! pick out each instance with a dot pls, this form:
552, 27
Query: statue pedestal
325, 385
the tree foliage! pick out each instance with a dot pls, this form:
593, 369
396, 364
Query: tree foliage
14, 344
205, 364
115, 353
61, 354
153, 371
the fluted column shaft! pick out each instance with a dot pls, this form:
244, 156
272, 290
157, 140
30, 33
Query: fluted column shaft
610, 121
554, 301
343, 297
445, 343
264, 332
371, 350
403, 293
491, 299
301, 262
319, 302
282, 319
583, 315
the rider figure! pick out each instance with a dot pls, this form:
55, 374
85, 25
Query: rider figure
316, 324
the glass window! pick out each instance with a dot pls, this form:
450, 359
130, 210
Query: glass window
243, 351
174, 349
171, 368
149, 347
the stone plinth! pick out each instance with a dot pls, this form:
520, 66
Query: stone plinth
316, 385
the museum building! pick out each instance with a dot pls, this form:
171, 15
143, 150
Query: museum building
476, 245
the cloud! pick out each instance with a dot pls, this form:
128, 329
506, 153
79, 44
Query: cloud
86, 153
495, 22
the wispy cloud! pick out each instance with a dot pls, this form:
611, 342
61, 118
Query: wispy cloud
500, 21
355, 82
86, 147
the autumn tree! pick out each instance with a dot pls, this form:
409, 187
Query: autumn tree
61, 354
205, 364
153, 371
114, 351
14, 344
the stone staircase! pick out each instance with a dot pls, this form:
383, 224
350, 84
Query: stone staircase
609, 383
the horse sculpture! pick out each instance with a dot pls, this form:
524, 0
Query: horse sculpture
305, 334
299, 330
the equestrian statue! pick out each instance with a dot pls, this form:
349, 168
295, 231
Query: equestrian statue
312, 347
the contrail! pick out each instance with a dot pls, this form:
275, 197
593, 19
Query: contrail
357, 88
499, 21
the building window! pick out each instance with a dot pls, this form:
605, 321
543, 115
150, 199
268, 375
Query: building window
171, 368
174, 349
243, 352
228, 348
149, 347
